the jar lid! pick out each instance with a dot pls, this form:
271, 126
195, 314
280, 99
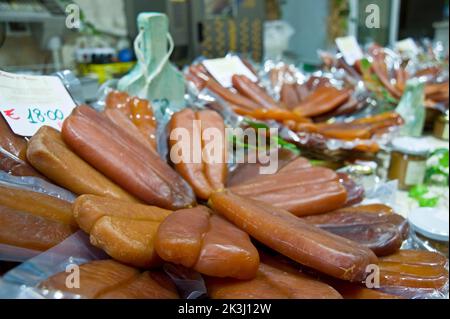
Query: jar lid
412, 146
430, 222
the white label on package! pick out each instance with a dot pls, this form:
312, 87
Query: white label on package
28, 102
407, 47
350, 49
415, 173
224, 69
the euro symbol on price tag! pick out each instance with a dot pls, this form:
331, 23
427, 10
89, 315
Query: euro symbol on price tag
11, 115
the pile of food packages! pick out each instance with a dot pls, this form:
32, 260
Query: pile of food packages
106, 194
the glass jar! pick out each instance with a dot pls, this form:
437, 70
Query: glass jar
408, 162
441, 127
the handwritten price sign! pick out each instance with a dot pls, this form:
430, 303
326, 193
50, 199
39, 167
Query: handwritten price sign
350, 49
37, 116
29, 102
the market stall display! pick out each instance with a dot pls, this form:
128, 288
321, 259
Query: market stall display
164, 217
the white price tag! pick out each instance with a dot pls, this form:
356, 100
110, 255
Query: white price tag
350, 49
223, 70
30, 102
407, 47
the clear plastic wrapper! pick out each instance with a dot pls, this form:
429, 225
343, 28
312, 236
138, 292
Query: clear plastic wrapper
415, 274
190, 284
14, 291
162, 111
23, 282
383, 193
75, 250
36, 184
13, 165
317, 146
72, 85
16, 254
10, 253
273, 76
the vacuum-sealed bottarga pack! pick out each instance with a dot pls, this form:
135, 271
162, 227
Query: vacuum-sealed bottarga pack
48, 153
305, 191
11, 142
108, 279
374, 226
139, 111
125, 160
124, 230
206, 171
274, 280
290, 236
198, 239
33, 220
34, 232
13, 150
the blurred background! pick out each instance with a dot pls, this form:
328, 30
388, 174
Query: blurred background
44, 36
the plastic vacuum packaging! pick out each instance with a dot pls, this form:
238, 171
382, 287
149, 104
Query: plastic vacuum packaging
292, 125
108, 147
11, 142
253, 91
33, 220
139, 111
48, 153
14, 254
190, 284
37, 204
355, 192
286, 81
415, 274
290, 236
33, 232
36, 184
361, 129
323, 100
353, 291
197, 239
321, 95
35, 214
244, 172
125, 231
22, 281
14, 166
202, 80
108, 279
302, 192
13, 153
274, 280
360, 139
203, 170
374, 226
385, 74
119, 119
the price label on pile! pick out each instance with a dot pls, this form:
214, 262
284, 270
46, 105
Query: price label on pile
30, 102
224, 69
350, 49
